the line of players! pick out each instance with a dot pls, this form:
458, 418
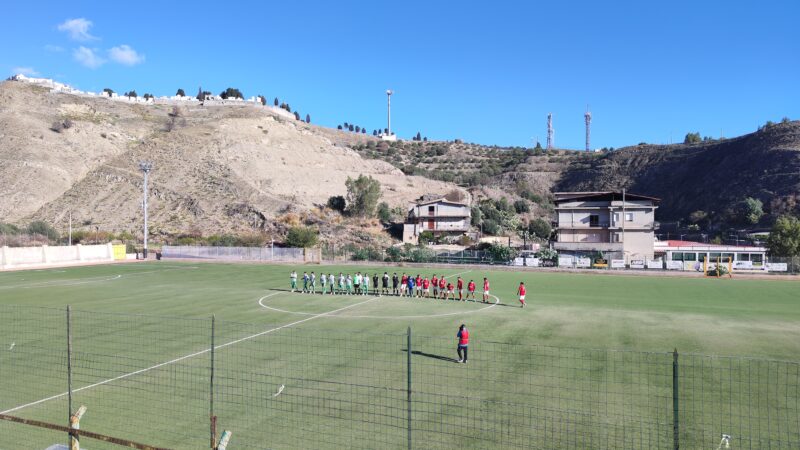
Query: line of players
403, 286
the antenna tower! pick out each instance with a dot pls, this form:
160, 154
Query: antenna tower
549, 131
588, 118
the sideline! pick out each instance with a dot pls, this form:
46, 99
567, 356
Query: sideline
182, 358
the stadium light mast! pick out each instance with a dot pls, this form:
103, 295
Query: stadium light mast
389, 93
145, 167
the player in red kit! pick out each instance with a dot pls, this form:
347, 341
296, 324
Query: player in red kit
435, 283
485, 290
442, 284
426, 286
521, 293
460, 287
463, 343
471, 290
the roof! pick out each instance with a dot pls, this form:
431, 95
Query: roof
675, 244
601, 195
439, 200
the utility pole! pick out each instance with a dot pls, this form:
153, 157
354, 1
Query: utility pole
588, 118
70, 228
145, 167
549, 131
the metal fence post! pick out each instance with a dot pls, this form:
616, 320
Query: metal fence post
408, 387
73, 441
212, 418
675, 402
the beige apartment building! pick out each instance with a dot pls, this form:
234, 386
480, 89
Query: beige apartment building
617, 225
437, 215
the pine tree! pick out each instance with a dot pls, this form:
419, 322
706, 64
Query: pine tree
308, 118
276, 102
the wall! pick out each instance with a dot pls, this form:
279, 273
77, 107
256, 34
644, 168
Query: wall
21, 257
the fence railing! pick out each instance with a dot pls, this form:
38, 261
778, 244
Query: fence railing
279, 254
160, 380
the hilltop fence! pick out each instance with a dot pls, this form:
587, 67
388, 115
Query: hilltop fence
161, 380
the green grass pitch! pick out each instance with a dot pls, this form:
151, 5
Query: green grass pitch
342, 359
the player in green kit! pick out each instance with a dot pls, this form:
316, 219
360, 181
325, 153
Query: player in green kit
293, 280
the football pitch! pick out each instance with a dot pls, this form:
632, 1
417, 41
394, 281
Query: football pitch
588, 364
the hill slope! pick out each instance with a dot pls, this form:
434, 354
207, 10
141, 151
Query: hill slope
228, 168
710, 176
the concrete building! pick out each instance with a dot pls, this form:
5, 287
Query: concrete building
607, 225
437, 215
689, 255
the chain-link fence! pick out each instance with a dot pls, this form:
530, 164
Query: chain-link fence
276, 254
160, 380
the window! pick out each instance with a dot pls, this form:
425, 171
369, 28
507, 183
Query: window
677, 256
743, 256
431, 210
690, 256
628, 217
594, 220
757, 258
616, 217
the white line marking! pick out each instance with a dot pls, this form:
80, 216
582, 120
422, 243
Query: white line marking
185, 357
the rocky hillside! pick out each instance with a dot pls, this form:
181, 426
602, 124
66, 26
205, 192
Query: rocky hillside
711, 176
218, 169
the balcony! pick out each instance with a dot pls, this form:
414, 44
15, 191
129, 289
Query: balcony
589, 246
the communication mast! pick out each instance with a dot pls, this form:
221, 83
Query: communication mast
549, 131
588, 118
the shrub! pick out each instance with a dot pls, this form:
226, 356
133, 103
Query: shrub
362, 195
491, 227
426, 237
366, 254
302, 237
42, 228
784, 239
394, 254
521, 206
337, 203
384, 213
540, 228
421, 254
501, 253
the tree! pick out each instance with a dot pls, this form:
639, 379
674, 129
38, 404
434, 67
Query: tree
42, 228
425, 139
108, 91
363, 131
337, 203
358, 129
203, 95
521, 206
302, 237
338, 127
180, 93
362, 195
477, 216
276, 102
148, 96
308, 118
784, 239
384, 213
231, 93
296, 115
538, 146
351, 128
698, 216
501, 253
540, 228
785, 120
750, 210
263, 100
692, 138
418, 137
131, 94
374, 132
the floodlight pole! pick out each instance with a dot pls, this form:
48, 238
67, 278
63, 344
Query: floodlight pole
145, 167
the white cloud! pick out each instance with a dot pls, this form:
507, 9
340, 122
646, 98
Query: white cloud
53, 48
27, 71
126, 55
88, 57
78, 29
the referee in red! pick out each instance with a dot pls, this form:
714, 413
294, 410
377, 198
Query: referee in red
463, 342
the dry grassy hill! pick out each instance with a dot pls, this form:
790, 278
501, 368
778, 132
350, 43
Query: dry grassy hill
231, 168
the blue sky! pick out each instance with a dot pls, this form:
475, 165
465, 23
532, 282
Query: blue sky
486, 72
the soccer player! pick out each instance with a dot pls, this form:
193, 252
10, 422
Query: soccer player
357, 283
410, 281
313, 283
435, 282
341, 284
375, 284
521, 293
385, 290
332, 282
418, 286
403, 285
349, 282
471, 290
365, 284
395, 282
463, 343
426, 286
460, 287
322, 282
305, 282
450, 293
293, 280
485, 290
442, 285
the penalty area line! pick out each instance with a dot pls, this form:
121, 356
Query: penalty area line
183, 358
